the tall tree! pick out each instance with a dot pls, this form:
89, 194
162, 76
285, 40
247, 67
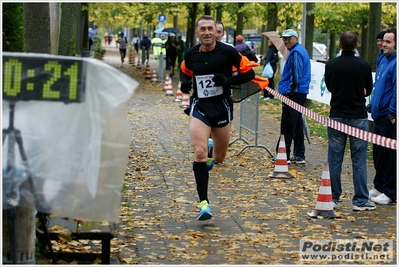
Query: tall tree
71, 38
309, 17
37, 28
19, 224
271, 24
191, 20
13, 39
240, 19
374, 29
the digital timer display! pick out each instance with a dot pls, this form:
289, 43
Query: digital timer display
43, 78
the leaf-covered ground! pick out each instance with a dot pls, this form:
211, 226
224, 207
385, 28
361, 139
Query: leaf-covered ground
257, 219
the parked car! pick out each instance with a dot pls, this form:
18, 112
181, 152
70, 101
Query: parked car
319, 52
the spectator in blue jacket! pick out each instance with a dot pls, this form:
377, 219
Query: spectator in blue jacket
383, 112
294, 84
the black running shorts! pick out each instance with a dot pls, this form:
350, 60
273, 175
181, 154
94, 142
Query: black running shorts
214, 114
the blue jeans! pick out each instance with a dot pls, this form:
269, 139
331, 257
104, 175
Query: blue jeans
336, 151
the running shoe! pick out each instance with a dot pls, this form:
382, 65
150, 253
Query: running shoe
209, 163
205, 212
374, 193
297, 160
383, 199
366, 206
210, 147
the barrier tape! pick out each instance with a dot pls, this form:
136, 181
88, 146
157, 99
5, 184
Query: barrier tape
363, 135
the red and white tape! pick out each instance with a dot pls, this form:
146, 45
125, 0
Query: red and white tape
363, 135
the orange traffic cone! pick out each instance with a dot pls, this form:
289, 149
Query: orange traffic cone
167, 80
169, 88
185, 101
154, 77
130, 56
281, 165
133, 64
324, 203
147, 71
138, 64
179, 94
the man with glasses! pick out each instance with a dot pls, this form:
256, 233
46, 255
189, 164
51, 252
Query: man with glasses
294, 84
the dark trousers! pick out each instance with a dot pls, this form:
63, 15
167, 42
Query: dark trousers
292, 127
271, 85
385, 159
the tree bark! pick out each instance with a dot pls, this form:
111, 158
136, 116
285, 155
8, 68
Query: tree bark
240, 20
309, 29
70, 42
374, 29
19, 223
37, 28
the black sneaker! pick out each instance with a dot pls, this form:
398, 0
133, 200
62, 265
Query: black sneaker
297, 160
366, 206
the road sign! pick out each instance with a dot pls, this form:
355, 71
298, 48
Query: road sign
162, 18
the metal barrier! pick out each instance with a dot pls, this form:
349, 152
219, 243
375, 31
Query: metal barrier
249, 120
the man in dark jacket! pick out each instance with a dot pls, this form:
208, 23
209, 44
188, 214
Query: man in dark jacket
272, 58
349, 80
145, 44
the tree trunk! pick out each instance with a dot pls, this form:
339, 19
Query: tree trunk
240, 20
309, 29
191, 38
207, 9
374, 29
363, 49
19, 224
271, 24
219, 13
70, 43
55, 18
37, 28
333, 46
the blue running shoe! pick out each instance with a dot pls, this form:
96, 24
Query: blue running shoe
209, 163
205, 212
210, 147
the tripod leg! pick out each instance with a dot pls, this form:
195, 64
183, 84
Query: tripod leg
47, 236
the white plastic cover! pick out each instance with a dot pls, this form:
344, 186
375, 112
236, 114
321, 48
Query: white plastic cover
77, 153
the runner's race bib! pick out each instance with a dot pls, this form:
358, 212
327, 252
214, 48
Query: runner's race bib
206, 87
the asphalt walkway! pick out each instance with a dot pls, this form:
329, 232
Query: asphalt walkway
257, 219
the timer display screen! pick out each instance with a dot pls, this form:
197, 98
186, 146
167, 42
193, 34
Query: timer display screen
43, 78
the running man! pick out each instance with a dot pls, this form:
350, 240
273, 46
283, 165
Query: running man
208, 68
122, 47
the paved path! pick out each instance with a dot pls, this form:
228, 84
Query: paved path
257, 220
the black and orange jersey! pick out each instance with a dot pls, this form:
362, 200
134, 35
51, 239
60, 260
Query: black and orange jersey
236, 67
223, 59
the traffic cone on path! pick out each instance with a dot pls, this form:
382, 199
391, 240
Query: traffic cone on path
138, 66
169, 88
185, 101
281, 164
154, 77
324, 203
147, 71
167, 80
179, 94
